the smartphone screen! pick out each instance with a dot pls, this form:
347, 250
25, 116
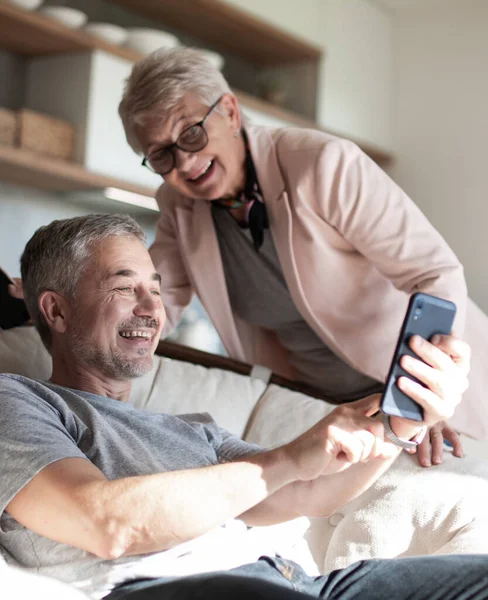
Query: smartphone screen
426, 316
13, 312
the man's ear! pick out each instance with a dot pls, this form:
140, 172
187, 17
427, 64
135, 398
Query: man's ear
55, 310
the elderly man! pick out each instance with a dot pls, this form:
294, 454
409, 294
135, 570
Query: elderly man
134, 505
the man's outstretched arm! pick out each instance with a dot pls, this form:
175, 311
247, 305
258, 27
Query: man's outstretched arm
72, 502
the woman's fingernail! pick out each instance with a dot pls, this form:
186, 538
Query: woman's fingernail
435, 339
426, 463
404, 382
407, 360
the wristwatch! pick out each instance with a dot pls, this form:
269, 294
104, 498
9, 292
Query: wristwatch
405, 444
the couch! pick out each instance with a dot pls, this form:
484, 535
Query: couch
409, 511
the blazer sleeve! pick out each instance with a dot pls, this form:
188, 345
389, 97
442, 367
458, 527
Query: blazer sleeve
379, 220
176, 288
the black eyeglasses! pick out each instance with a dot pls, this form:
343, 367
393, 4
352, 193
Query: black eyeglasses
192, 139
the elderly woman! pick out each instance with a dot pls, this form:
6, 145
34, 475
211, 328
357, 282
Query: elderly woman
301, 249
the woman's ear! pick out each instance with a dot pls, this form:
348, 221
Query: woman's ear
55, 310
231, 111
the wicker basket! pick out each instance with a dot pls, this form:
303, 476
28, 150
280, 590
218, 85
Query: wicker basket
8, 125
44, 134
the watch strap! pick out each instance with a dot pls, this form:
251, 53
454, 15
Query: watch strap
392, 437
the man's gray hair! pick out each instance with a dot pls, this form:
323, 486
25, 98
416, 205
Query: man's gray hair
160, 80
57, 254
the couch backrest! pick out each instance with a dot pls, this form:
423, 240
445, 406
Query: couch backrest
23, 353
172, 386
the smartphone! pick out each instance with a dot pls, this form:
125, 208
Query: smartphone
13, 311
426, 316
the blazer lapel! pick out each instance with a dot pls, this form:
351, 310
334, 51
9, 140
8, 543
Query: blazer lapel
196, 228
281, 223
263, 150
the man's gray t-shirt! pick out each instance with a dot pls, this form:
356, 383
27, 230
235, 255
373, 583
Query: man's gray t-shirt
41, 423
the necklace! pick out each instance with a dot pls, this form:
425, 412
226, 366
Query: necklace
231, 203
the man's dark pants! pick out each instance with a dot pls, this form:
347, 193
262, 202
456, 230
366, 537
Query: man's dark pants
419, 578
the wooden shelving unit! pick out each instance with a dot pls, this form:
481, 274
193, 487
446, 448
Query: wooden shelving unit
216, 23
30, 169
228, 29
33, 34
377, 154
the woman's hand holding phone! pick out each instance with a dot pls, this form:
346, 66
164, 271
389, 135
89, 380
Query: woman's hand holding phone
442, 367
431, 450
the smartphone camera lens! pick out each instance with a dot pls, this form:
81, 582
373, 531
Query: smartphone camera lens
418, 310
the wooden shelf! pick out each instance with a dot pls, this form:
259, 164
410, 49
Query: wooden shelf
382, 157
212, 21
33, 34
227, 29
27, 168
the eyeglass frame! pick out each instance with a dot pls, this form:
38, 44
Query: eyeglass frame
172, 147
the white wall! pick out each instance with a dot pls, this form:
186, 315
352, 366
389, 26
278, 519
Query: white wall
23, 210
441, 125
298, 17
356, 91
356, 76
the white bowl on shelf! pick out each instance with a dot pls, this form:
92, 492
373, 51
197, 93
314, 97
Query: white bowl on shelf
217, 60
71, 17
107, 32
26, 4
145, 40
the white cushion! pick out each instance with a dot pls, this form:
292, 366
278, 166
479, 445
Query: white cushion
23, 353
177, 387
409, 511
281, 415
20, 583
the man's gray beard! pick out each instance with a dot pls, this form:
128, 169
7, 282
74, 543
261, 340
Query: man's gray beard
112, 365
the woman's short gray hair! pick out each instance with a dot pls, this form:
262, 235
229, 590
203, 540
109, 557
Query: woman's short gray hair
160, 80
57, 254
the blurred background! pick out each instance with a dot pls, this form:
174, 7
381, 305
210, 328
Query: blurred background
405, 79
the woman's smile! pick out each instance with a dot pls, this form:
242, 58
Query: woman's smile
203, 176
